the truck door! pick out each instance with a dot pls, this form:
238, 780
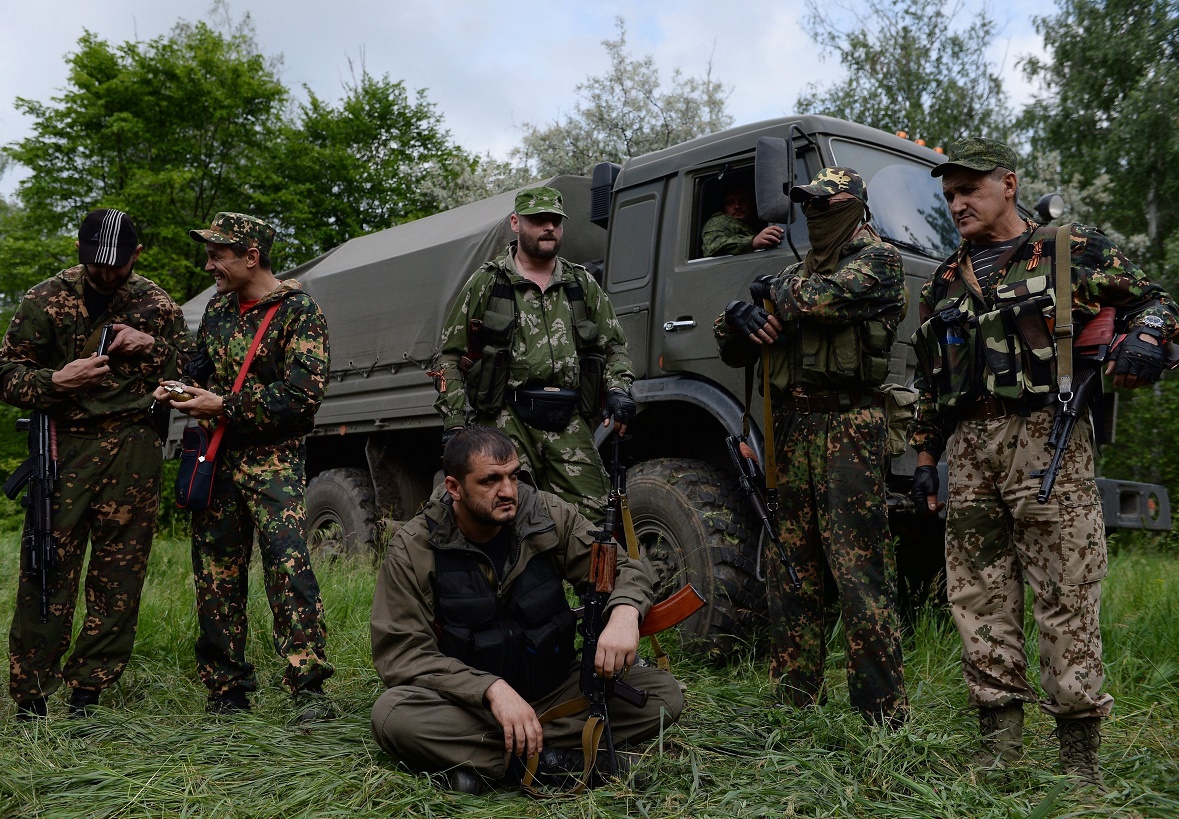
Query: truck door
631, 260
695, 287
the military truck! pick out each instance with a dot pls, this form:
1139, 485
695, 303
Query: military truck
375, 450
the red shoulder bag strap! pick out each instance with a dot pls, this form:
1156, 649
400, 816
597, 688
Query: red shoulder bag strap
215, 441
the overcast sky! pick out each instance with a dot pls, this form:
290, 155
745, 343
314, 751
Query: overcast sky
489, 67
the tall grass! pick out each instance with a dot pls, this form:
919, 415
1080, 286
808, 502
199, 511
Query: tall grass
152, 751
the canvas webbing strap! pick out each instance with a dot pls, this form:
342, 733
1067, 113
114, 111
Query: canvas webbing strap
771, 469
632, 551
1063, 327
591, 737
215, 439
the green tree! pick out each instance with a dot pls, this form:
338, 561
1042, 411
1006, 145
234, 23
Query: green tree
377, 158
1108, 110
623, 113
909, 69
170, 130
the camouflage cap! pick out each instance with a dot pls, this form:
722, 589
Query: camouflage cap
531, 201
233, 228
107, 237
829, 182
977, 154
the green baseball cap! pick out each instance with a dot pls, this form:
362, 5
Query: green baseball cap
829, 182
234, 228
532, 201
977, 154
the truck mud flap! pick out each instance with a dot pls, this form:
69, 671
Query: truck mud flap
1131, 505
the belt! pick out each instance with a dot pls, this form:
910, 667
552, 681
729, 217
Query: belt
992, 407
805, 402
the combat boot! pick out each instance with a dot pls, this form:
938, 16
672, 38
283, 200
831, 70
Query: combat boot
1002, 735
1079, 741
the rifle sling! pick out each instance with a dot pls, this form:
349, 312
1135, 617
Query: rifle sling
632, 551
771, 469
1063, 326
591, 737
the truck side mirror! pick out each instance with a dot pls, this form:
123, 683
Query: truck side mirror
1050, 206
602, 192
773, 176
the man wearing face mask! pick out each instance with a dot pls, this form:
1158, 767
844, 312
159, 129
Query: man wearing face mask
108, 456
834, 318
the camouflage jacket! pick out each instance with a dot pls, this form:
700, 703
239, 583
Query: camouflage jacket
544, 350
404, 646
725, 236
51, 328
866, 290
288, 376
1101, 277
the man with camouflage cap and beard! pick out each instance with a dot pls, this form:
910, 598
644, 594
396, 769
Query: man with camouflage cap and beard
533, 346
984, 378
834, 318
108, 456
260, 479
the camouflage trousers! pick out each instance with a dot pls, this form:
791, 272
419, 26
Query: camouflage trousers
259, 488
833, 521
107, 493
565, 463
998, 538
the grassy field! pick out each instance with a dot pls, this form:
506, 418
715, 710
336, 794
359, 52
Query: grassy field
152, 751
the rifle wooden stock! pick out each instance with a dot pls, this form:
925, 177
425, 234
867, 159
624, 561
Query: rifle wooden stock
672, 611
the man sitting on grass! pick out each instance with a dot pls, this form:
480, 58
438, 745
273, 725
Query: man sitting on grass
473, 636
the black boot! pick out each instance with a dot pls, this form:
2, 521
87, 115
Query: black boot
314, 706
461, 780
82, 701
228, 703
31, 710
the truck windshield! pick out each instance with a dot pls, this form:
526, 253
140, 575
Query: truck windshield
906, 202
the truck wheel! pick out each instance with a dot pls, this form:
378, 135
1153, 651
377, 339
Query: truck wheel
341, 513
693, 526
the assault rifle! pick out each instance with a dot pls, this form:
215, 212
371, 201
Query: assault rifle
39, 472
595, 687
1091, 351
752, 481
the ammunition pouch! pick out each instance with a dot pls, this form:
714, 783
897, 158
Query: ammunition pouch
592, 366
545, 408
487, 378
946, 346
1017, 341
487, 381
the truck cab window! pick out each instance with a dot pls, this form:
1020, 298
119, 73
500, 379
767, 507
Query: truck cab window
906, 202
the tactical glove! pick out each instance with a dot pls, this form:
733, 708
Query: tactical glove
619, 406
1141, 359
762, 289
925, 483
747, 319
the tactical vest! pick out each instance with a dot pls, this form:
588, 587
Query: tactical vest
525, 637
1006, 348
851, 356
488, 379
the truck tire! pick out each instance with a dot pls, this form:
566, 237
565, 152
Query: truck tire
693, 526
341, 513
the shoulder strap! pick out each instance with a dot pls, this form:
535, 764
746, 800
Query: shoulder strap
215, 441
1062, 266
